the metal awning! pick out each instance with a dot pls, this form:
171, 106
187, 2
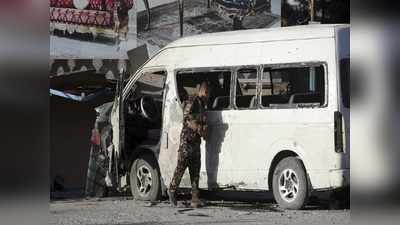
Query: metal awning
81, 86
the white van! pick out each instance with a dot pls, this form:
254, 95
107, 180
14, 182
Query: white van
278, 113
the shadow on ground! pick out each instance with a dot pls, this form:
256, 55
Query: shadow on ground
254, 201
262, 200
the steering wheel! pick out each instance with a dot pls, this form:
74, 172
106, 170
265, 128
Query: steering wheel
148, 108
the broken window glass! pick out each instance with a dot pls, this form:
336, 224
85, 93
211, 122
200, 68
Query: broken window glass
246, 88
219, 81
151, 83
302, 86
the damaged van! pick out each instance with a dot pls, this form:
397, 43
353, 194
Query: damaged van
278, 115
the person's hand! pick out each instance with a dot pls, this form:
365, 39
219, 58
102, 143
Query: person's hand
204, 132
204, 119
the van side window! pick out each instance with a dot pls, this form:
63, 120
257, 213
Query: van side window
219, 82
246, 88
302, 86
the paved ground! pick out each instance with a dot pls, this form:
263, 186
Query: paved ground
126, 211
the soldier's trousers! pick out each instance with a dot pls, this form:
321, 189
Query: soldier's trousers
189, 156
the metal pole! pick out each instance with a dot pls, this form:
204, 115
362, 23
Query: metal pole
181, 8
311, 10
147, 5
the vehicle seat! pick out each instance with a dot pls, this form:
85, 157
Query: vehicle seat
253, 102
183, 94
244, 101
274, 99
306, 98
220, 102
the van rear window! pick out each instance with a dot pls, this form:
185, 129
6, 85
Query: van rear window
345, 81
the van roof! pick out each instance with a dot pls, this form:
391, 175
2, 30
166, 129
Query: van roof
260, 35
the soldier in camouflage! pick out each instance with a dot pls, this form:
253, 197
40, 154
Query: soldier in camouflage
194, 127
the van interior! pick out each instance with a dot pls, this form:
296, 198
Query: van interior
299, 86
294, 86
143, 111
219, 83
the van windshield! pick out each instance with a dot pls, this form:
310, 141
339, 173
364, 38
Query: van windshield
150, 83
345, 81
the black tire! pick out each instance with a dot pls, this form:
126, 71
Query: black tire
340, 199
294, 195
145, 190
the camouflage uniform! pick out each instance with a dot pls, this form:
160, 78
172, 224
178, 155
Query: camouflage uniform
194, 127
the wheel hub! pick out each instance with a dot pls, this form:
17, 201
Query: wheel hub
288, 185
144, 180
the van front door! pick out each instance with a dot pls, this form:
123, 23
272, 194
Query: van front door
171, 129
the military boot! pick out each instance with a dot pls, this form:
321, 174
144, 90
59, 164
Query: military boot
196, 202
172, 198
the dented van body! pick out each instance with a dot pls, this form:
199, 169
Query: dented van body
278, 115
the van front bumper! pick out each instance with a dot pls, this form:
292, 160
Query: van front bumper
339, 178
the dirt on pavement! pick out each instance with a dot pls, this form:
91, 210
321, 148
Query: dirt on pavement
126, 211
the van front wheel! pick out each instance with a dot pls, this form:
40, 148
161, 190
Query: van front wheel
289, 184
145, 179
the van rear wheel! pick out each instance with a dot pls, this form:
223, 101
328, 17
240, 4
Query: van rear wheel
289, 184
145, 179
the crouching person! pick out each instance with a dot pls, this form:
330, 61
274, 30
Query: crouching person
194, 127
